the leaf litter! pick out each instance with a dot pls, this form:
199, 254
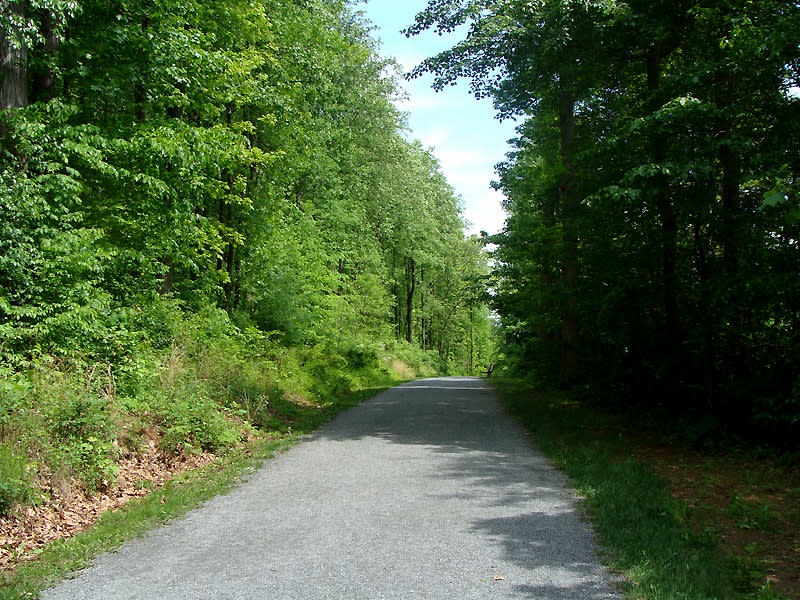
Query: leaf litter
65, 509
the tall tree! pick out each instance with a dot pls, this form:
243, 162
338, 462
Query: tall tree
532, 58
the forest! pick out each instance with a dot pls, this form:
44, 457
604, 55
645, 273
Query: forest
209, 210
651, 253
212, 213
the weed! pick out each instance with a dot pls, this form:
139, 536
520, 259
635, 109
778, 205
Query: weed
14, 395
751, 514
766, 592
74, 415
193, 423
14, 481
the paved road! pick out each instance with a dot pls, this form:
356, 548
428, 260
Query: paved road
428, 490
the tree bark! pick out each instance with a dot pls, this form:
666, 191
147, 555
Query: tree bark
13, 61
139, 89
168, 279
731, 238
709, 359
423, 320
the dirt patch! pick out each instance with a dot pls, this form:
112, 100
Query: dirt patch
752, 505
65, 510
302, 401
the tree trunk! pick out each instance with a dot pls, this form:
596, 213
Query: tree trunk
471, 364
669, 232
570, 204
139, 89
13, 61
731, 232
423, 320
410, 289
709, 375
230, 254
168, 279
43, 81
431, 324
395, 295
731, 238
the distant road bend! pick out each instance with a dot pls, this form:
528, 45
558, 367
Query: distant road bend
429, 490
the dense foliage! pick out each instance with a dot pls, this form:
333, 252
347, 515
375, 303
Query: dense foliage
205, 203
651, 248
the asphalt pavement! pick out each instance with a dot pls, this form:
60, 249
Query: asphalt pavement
429, 490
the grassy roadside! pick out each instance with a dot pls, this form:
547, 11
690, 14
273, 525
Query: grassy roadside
654, 529
182, 494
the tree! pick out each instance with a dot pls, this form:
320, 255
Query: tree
646, 193
244, 154
531, 58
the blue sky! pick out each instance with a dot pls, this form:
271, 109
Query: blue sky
461, 131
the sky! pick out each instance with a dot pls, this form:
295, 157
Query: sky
462, 132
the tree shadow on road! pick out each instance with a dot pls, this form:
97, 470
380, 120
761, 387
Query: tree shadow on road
494, 465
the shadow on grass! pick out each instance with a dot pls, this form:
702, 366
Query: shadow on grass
645, 531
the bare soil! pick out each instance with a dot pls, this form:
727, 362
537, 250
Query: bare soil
752, 505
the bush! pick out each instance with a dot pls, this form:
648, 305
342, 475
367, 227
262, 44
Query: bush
76, 407
14, 480
329, 373
422, 363
192, 423
76, 416
361, 356
13, 398
92, 460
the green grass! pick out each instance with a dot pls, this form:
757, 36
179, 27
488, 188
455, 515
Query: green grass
644, 532
184, 493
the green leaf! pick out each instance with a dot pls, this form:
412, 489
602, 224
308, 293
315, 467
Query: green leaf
773, 198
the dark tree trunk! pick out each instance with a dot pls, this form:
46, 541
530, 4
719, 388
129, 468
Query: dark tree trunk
709, 360
396, 296
431, 323
43, 81
139, 87
569, 255
168, 279
731, 236
423, 320
230, 254
669, 232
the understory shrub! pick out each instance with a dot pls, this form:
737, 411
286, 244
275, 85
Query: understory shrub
194, 382
422, 363
91, 460
77, 408
14, 480
192, 423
